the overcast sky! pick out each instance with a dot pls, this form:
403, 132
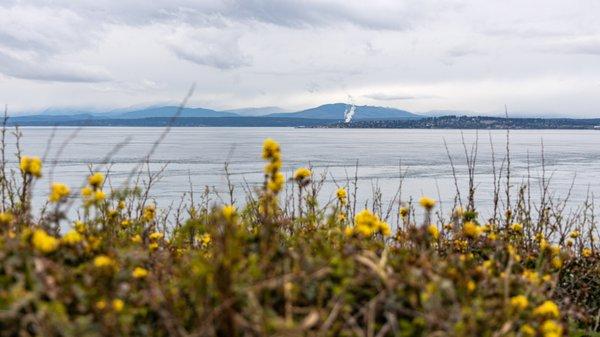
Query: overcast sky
538, 57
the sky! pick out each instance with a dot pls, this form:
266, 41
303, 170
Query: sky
537, 57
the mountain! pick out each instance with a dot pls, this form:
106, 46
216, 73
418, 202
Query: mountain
336, 111
182, 121
59, 111
260, 111
50, 119
131, 112
170, 111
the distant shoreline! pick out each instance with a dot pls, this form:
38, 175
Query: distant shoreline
446, 122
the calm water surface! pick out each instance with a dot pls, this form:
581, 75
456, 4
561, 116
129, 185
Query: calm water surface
197, 155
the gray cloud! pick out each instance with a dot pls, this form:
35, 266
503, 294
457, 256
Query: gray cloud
222, 59
463, 50
378, 96
47, 70
586, 46
209, 47
44, 30
375, 14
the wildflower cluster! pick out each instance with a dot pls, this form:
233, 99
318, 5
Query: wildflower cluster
274, 179
93, 194
366, 224
272, 154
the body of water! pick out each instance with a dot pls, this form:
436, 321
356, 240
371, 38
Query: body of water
196, 156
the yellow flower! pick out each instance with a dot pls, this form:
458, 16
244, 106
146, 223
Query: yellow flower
99, 195
551, 329
427, 203
488, 264
31, 165
139, 272
86, 191
363, 230
5, 218
544, 245
527, 330
79, 227
72, 238
103, 261
556, 262
403, 211
58, 192
96, 180
271, 149
519, 302
384, 228
94, 242
348, 231
471, 286
539, 236
554, 249
118, 304
121, 204
341, 195
531, 276
205, 239
153, 246
516, 227
433, 231
136, 239
276, 184
228, 212
101, 305
575, 234
43, 242
125, 223
149, 212
547, 309
366, 222
272, 167
471, 229
156, 236
302, 174
586, 252
460, 245
512, 251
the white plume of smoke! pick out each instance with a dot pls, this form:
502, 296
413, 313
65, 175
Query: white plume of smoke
350, 111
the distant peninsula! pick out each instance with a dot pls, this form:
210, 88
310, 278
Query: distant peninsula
473, 122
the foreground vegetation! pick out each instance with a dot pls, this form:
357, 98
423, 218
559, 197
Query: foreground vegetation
284, 265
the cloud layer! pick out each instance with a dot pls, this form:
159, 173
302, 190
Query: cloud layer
537, 57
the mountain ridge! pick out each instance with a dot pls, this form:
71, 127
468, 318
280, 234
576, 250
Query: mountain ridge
331, 111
